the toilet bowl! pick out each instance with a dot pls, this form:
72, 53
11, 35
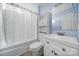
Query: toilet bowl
35, 48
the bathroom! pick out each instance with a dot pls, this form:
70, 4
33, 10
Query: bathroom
39, 29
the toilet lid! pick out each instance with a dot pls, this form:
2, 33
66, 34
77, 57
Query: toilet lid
35, 45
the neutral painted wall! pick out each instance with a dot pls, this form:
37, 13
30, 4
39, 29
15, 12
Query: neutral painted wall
47, 7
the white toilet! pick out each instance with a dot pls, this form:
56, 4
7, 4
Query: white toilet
35, 48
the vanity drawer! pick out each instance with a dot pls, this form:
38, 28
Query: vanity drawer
70, 50
48, 51
51, 51
65, 50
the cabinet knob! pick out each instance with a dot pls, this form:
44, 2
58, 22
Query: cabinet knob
63, 49
55, 53
47, 42
52, 51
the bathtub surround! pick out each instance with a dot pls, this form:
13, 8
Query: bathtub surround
17, 49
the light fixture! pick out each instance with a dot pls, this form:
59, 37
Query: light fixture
53, 21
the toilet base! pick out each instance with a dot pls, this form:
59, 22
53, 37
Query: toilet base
35, 53
38, 52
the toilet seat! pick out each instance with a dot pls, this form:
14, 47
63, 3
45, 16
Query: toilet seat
36, 46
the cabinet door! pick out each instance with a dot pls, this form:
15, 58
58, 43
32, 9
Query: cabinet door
69, 50
51, 49
48, 51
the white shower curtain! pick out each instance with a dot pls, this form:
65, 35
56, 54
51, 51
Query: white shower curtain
20, 25
2, 38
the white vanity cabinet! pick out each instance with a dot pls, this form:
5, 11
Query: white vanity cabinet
51, 49
55, 47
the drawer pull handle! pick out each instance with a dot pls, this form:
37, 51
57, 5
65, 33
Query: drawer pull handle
63, 49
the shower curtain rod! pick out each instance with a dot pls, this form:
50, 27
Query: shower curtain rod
18, 6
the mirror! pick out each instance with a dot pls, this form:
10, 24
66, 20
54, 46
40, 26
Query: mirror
64, 18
